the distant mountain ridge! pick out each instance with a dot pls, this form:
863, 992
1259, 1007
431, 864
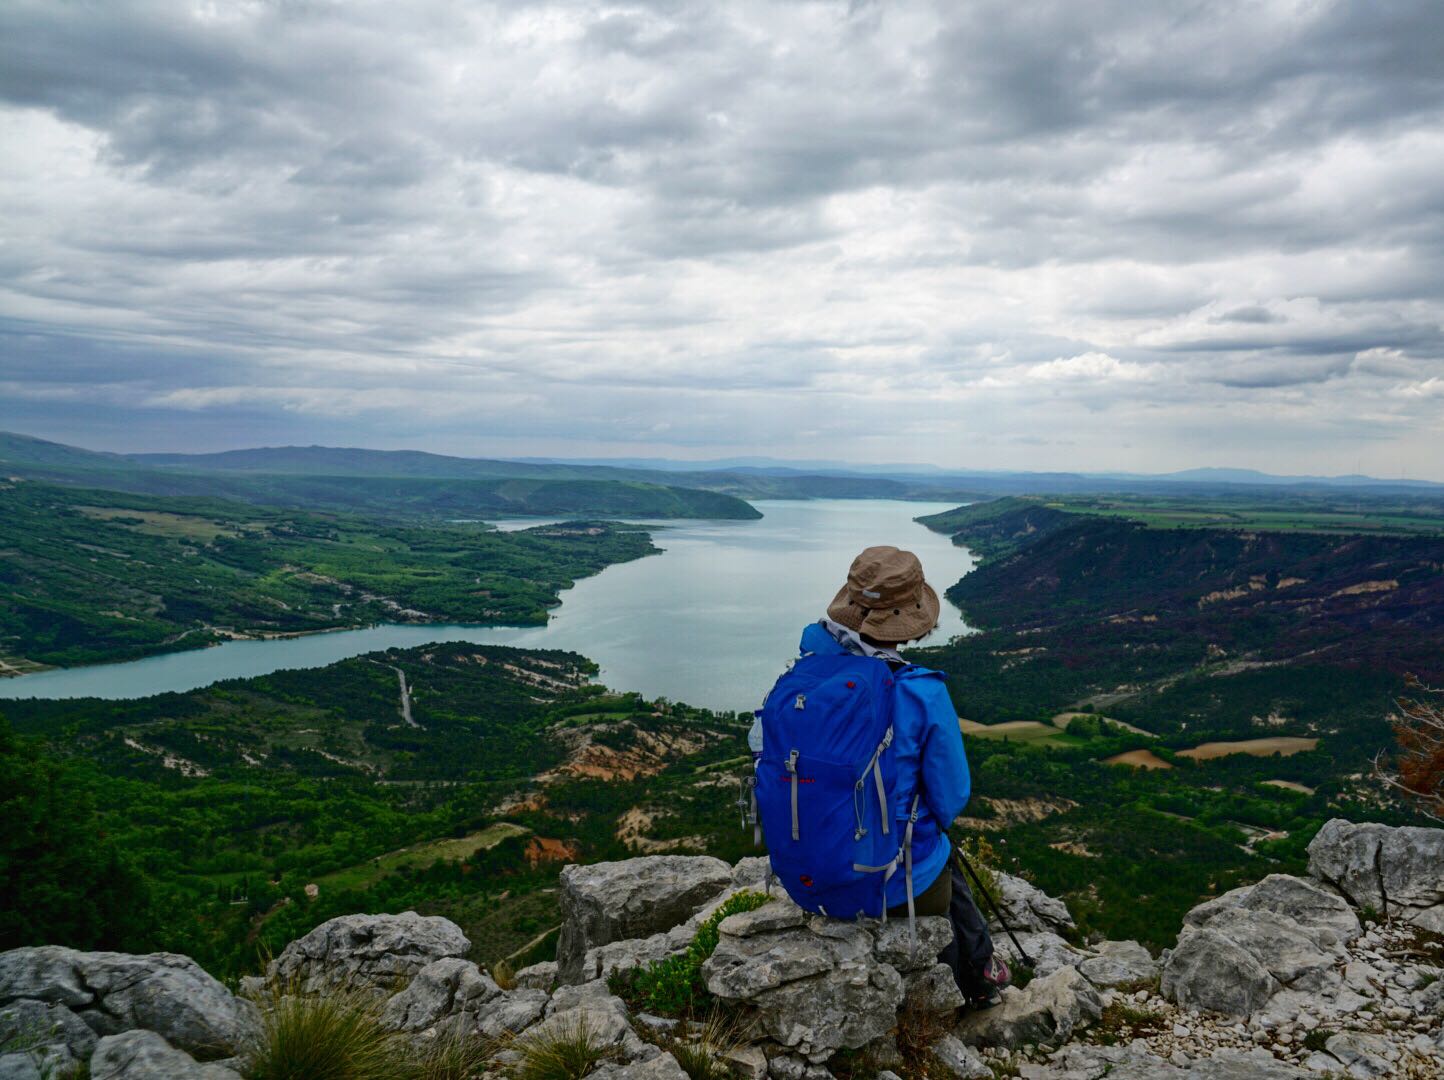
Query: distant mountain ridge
740, 477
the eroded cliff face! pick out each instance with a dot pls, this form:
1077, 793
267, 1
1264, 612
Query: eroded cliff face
1337, 973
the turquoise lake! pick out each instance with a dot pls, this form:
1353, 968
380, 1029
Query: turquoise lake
710, 621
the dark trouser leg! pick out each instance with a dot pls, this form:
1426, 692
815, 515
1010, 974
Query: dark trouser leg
972, 944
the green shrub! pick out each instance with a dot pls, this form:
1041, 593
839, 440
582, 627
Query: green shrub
334, 1036
673, 986
561, 1052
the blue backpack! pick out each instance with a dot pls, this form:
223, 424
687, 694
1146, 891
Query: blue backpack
825, 783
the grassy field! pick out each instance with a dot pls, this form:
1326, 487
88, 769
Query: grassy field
1281, 745
450, 848
1370, 515
1027, 732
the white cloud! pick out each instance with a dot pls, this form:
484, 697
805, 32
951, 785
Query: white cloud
701, 228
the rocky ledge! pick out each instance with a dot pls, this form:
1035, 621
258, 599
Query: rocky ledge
1336, 974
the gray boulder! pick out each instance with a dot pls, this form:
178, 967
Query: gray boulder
1119, 963
590, 1008
619, 956
446, 989
1256, 1064
512, 1012
1398, 872
366, 951
1362, 1055
42, 1038
662, 1066
894, 945
814, 989
1047, 951
1026, 907
1046, 1011
960, 1060
144, 1055
635, 898
1211, 971
118, 992
1296, 956
1079, 1061
1305, 902
933, 990
542, 976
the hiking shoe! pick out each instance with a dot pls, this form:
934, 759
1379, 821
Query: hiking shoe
985, 1001
996, 973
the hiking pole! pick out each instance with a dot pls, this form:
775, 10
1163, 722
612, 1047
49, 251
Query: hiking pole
963, 862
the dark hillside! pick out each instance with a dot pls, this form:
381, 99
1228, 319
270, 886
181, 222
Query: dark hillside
1000, 526
1372, 600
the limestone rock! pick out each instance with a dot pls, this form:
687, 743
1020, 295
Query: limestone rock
634, 898
1360, 1054
813, 989
894, 943
144, 1055
1048, 1010
1211, 971
1304, 902
959, 1060
48, 1037
619, 956
933, 990
663, 1066
446, 988
361, 951
777, 915
1395, 871
1244, 1065
592, 1009
1119, 963
1047, 951
511, 1012
1026, 907
1084, 1062
542, 976
1295, 956
117, 992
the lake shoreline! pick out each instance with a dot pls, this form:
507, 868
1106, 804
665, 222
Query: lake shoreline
710, 620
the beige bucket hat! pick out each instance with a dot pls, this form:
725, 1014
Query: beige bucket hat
886, 597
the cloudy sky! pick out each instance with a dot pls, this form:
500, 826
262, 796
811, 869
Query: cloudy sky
1084, 235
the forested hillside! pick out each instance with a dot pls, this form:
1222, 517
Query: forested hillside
94, 576
375, 483
1195, 698
208, 814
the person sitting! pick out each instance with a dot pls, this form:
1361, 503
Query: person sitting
860, 769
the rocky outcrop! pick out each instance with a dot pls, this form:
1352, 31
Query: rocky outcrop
1281, 980
144, 1055
366, 951
629, 900
1393, 871
814, 985
113, 993
1046, 1011
1026, 907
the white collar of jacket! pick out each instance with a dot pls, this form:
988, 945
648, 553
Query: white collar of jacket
852, 641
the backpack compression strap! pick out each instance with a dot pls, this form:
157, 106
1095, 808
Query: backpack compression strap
905, 856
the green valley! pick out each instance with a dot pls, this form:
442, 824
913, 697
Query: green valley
94, 576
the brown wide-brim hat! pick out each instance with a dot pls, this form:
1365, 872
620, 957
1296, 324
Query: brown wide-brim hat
886, 597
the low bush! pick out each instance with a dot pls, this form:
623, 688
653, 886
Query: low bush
673, 986
334, 1036
563, 1052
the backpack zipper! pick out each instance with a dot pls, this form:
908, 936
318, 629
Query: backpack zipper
791, 764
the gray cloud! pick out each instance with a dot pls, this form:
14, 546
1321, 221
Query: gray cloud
969, 234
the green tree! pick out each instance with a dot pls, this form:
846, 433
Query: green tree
61, 881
